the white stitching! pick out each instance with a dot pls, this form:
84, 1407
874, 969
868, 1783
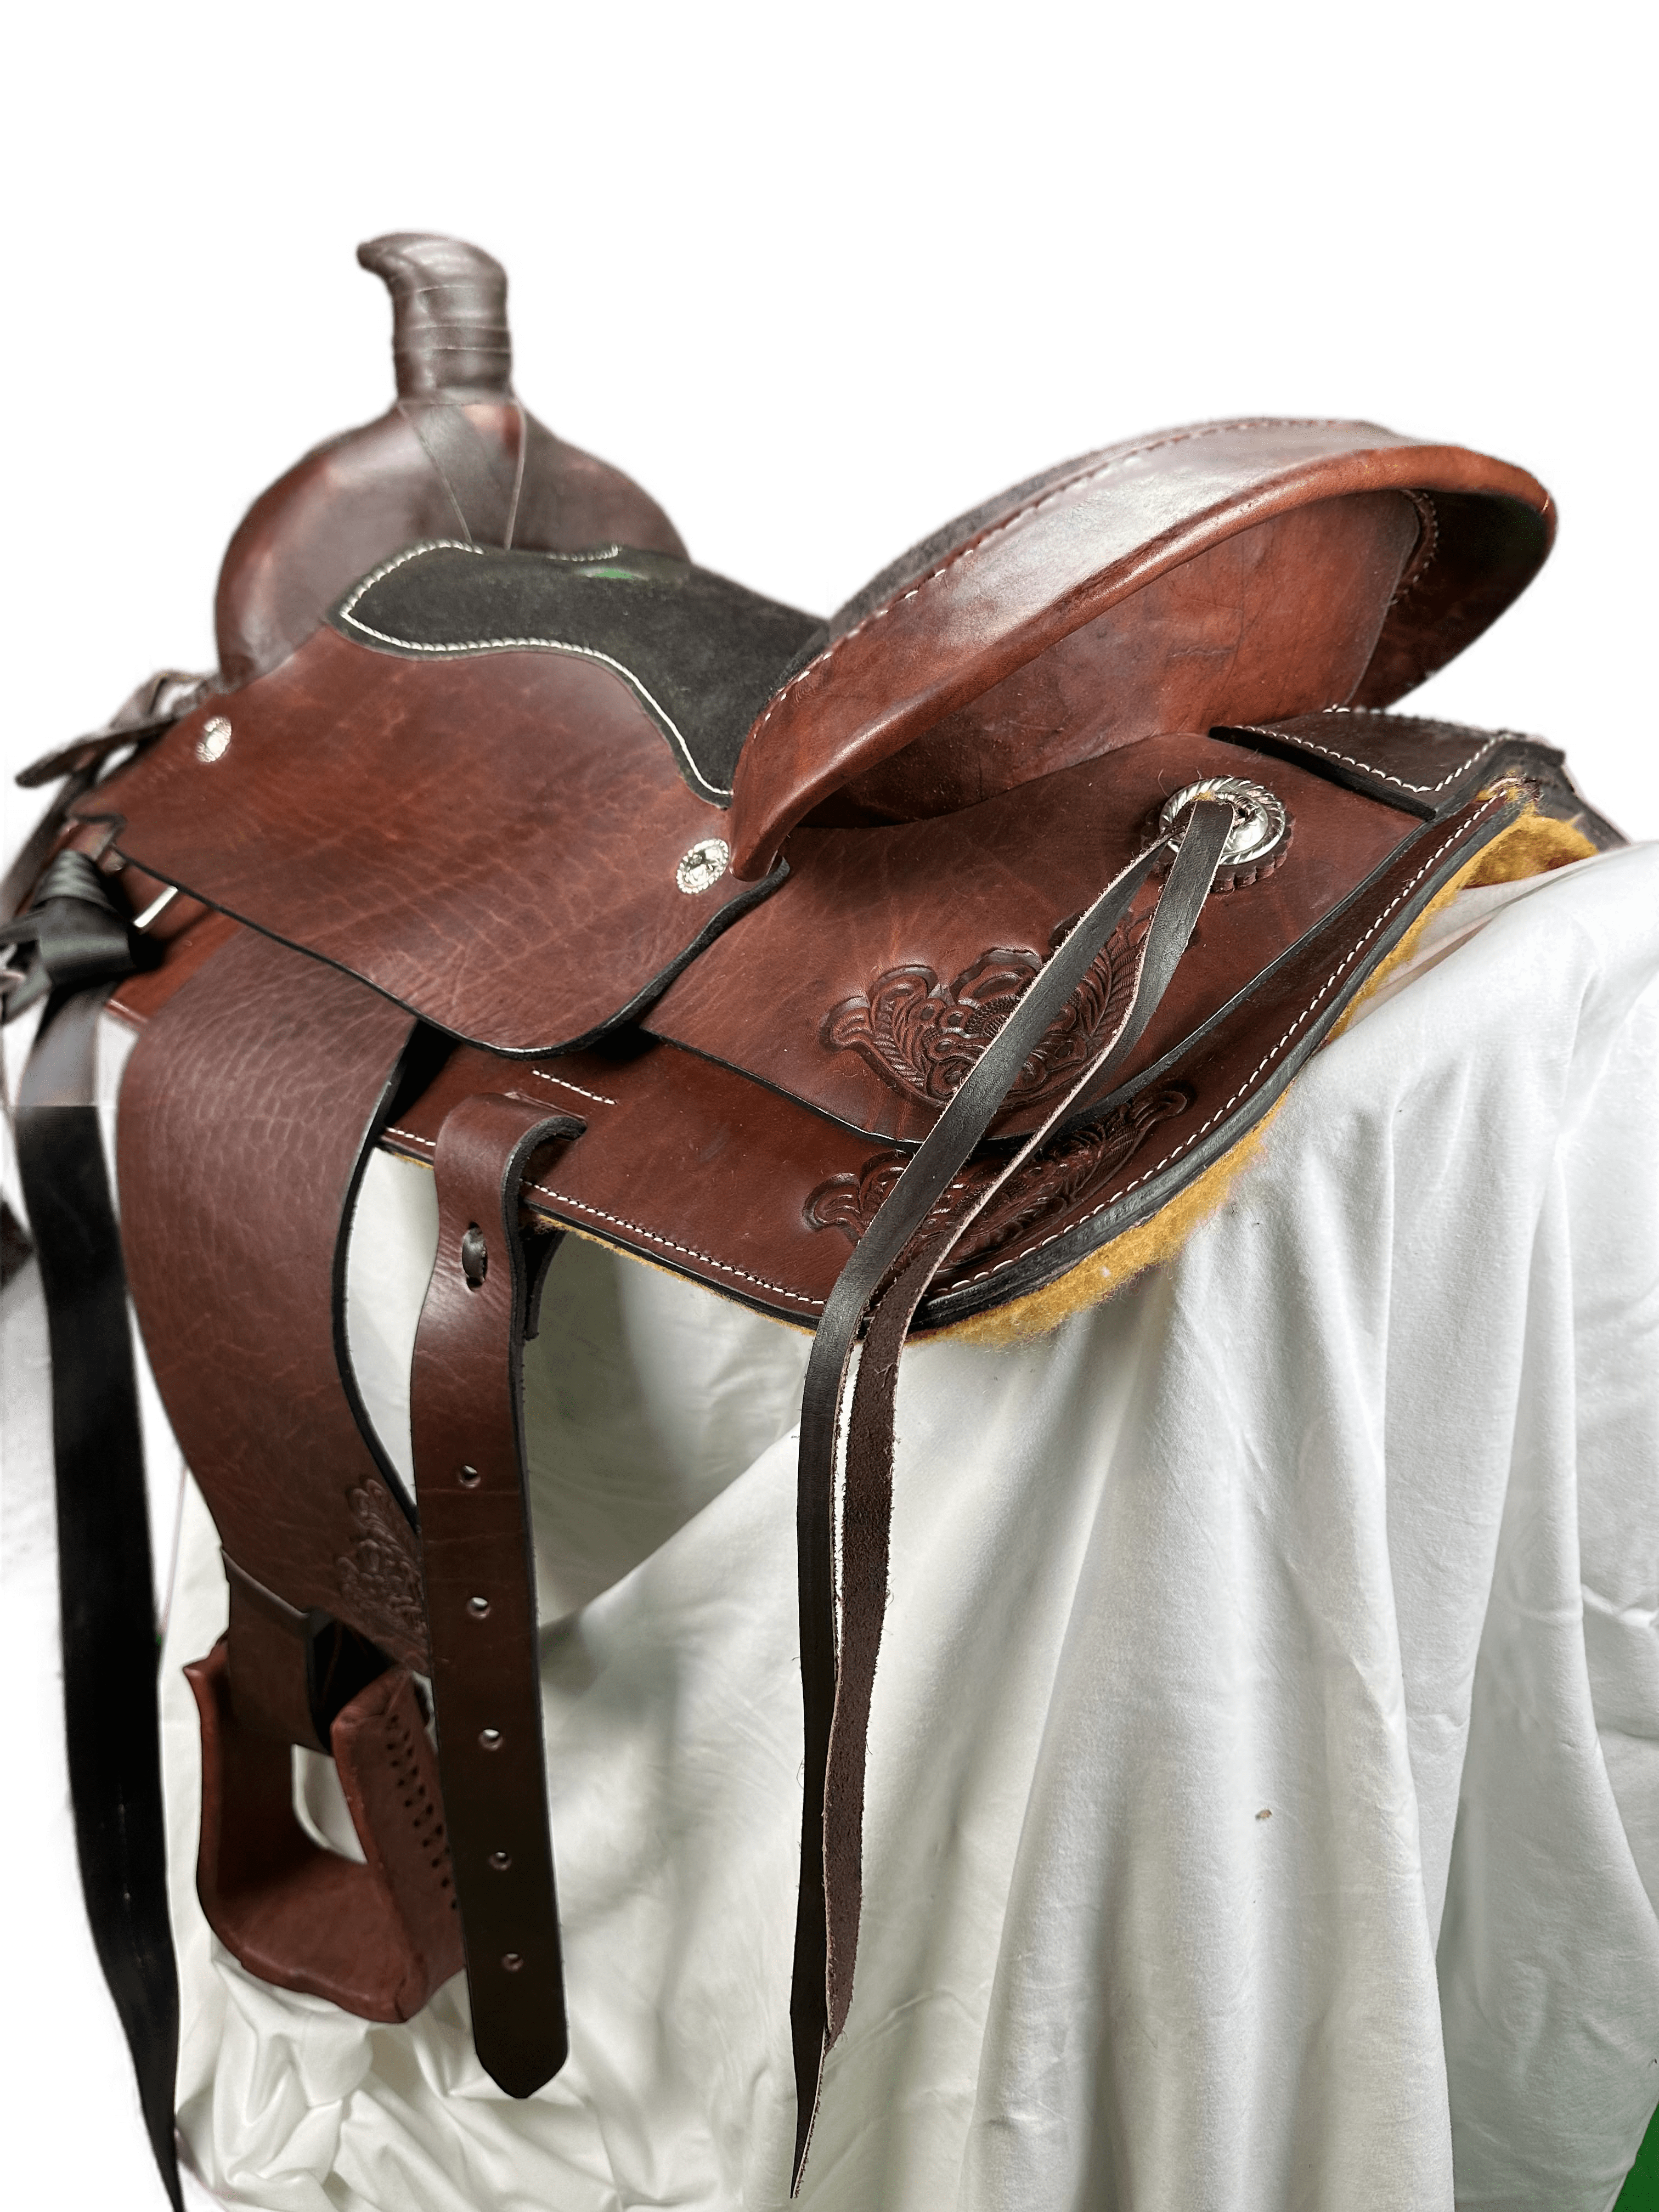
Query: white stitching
519, 644
1112, 1198
1032, 506
597, 1096
636, 1228
454, 545
1221, 1113
1491, 739
411, 553
668, 1244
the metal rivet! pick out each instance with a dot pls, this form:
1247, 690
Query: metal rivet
490, 1739
215, 739
513, 1961
500, 1862
478, 1608
1260, 823
475, 1257
468, 1478
704, 864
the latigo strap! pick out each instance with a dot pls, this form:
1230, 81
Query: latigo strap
467, 1419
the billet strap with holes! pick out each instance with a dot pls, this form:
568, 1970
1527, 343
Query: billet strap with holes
467, 1421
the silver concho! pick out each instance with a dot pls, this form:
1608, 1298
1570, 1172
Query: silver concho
215, 740
1260, 823
705, 863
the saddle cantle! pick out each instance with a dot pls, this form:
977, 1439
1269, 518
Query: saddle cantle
925, 967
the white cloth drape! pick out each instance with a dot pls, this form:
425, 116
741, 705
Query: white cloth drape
1263, 1804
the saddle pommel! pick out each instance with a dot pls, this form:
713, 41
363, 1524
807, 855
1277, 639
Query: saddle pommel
449, 333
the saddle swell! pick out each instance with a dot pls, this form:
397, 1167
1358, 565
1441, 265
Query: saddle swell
900, 972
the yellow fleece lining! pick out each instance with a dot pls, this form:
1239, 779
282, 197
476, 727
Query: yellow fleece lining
1534, 845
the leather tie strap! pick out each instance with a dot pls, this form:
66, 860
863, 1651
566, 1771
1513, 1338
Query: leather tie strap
467, 1420
907, 1235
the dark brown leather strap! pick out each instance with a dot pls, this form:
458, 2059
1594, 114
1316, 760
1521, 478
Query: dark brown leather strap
483, 482
467, 1420
267, 1646
908, 1235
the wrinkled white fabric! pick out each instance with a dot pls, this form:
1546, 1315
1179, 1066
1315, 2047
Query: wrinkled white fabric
1263, 1804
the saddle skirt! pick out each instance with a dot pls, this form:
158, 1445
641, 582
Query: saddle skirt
928, 967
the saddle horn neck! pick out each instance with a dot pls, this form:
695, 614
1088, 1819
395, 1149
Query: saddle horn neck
450, 338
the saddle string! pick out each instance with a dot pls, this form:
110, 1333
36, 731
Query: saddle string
884, 1285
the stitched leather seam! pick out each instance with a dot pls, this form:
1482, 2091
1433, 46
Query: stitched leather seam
1366, 768
520, 644
455, 545
763, 1283
410, 553
597, 1096
1452, 722
669, 1245
637, 1229
1045, 499
1221, 1113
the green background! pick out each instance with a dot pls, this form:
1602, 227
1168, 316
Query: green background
819, 278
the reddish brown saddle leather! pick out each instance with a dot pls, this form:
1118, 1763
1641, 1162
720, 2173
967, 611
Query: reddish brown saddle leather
880, 973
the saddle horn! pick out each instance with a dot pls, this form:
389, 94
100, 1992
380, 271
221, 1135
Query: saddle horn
449, 331
456, 452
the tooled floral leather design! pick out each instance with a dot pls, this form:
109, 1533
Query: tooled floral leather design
1068, 1171
922, 1036
379, 1578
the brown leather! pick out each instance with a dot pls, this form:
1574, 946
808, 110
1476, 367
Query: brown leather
154, 707
369, 492
928, 1071
1288, 611
1426, 766
262, 1039
692, 1165
466, 1411
449, 330
798, 995
377, 1939
359, 811
1029, 577
267, 1649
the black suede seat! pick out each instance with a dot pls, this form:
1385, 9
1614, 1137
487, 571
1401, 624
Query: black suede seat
701, 653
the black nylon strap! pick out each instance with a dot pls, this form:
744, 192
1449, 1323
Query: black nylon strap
23, 875
107, 1607
826, 1925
